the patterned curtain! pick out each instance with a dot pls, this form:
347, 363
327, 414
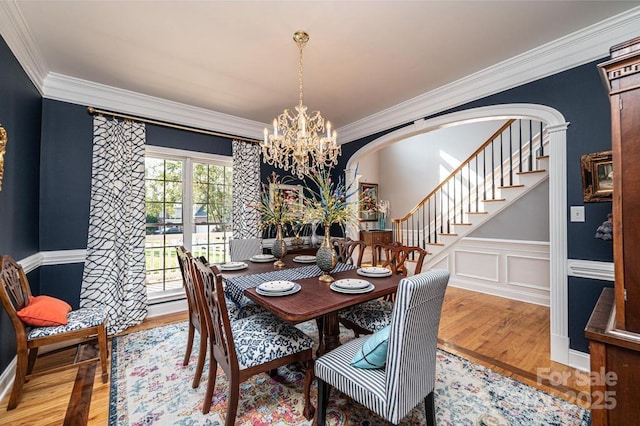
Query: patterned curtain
246, 189
114, 274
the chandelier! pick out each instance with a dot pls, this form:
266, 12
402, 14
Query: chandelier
300, 142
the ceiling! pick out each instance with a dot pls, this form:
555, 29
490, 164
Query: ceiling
238, 57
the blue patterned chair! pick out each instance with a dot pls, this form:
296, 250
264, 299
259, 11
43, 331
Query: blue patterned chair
85, 324
409, 374
244, 248
374, 315
248, 346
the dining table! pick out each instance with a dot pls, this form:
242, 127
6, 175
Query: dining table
315, 299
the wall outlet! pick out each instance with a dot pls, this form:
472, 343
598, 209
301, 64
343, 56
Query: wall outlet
577, 213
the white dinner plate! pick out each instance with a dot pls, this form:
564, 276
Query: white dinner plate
304, 259
233, 266
259, 258
296, 288
352, 284
375, 270
352, 291
276, 286
364, 273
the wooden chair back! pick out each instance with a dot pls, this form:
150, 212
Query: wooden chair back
196, 318
185, 262
346, 248
15, 293
395, 257
211, 297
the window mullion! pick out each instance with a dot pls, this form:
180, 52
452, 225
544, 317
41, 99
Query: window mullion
187, 213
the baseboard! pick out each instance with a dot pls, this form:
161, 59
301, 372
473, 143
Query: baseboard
500, 292
579, 360
6, 378
166, 308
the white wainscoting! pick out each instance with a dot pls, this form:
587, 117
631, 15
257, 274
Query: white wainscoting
513, 269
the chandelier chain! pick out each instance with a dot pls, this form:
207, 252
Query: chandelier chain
301, 142
300, 69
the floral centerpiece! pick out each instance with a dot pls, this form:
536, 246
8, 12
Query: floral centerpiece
330, 204
278, 207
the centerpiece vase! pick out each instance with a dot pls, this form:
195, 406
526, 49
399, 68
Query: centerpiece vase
279, 248
326, 258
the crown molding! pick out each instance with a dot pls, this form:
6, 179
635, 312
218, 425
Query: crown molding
69, 89
580, 47
16, 34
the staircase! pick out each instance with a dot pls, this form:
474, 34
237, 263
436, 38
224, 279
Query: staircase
504, 168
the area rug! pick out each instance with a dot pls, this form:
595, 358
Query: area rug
149, 385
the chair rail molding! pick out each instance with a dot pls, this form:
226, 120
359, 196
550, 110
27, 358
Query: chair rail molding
591, 269
556, 127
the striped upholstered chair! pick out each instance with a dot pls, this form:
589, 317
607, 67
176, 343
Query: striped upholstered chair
243, 249
408, 377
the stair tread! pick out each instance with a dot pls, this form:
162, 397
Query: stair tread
510, 186
477, 212
542, 157
531, 172
435, 244
462, 223
448, 234
493, 199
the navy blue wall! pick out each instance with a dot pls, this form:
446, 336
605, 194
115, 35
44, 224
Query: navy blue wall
20, 115
580, 96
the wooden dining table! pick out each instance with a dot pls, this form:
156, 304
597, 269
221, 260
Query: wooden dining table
315, 300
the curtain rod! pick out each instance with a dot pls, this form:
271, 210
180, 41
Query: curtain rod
94, 111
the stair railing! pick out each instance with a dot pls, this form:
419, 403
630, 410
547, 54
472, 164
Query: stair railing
477, 180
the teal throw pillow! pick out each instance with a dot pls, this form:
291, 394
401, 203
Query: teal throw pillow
373, 353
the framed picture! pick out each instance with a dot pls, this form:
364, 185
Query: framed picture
281, 190
597, 176
368, 202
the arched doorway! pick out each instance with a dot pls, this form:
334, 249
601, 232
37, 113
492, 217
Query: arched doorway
556, 127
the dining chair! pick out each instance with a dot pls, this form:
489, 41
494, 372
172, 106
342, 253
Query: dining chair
247, 346
196, 319
244, 308
346, 247
374, 315
244, 248
74, 326
405, 372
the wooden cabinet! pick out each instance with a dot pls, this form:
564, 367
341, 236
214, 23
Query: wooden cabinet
614, 327
376, 237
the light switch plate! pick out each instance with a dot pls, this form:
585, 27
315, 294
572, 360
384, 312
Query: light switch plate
577, 213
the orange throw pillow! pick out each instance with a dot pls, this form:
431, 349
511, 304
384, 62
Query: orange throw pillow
44, 311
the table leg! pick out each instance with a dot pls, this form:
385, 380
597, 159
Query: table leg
331, 338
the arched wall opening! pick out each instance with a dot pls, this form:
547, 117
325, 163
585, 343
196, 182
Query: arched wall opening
556, 127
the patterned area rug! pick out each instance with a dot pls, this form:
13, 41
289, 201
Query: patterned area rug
149, 385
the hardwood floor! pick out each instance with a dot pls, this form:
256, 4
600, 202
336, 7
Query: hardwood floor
508, 336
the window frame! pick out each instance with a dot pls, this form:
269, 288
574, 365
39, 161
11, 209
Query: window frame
187, 158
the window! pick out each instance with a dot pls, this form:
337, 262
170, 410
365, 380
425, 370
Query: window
188, 202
